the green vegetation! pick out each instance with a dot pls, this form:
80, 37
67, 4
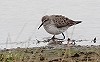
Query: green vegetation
43, 54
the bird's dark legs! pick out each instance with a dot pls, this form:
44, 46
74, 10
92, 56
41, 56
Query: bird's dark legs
57, 38
63, 35
53, 38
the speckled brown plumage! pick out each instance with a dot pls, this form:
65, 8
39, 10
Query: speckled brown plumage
59, 20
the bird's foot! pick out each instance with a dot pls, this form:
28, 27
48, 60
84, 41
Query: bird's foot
59, 39
54, 39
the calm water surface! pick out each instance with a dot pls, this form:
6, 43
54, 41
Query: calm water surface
19, 20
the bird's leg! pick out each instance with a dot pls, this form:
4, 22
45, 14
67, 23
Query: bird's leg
63, 35
61, 39
53, 38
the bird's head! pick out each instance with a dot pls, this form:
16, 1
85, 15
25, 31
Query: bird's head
44, 20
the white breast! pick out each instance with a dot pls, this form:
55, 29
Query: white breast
52, 29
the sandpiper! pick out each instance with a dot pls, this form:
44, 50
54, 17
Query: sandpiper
57, 24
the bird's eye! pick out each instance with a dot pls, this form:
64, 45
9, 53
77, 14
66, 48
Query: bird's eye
46, 19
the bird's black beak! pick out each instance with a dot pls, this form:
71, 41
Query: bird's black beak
40, 25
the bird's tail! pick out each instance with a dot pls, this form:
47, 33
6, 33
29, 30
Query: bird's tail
77, 22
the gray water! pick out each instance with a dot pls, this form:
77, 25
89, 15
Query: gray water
19, 19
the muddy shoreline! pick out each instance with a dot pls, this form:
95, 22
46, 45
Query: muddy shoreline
50, 54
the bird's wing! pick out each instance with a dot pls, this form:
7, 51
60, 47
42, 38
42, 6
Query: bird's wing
61, 21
